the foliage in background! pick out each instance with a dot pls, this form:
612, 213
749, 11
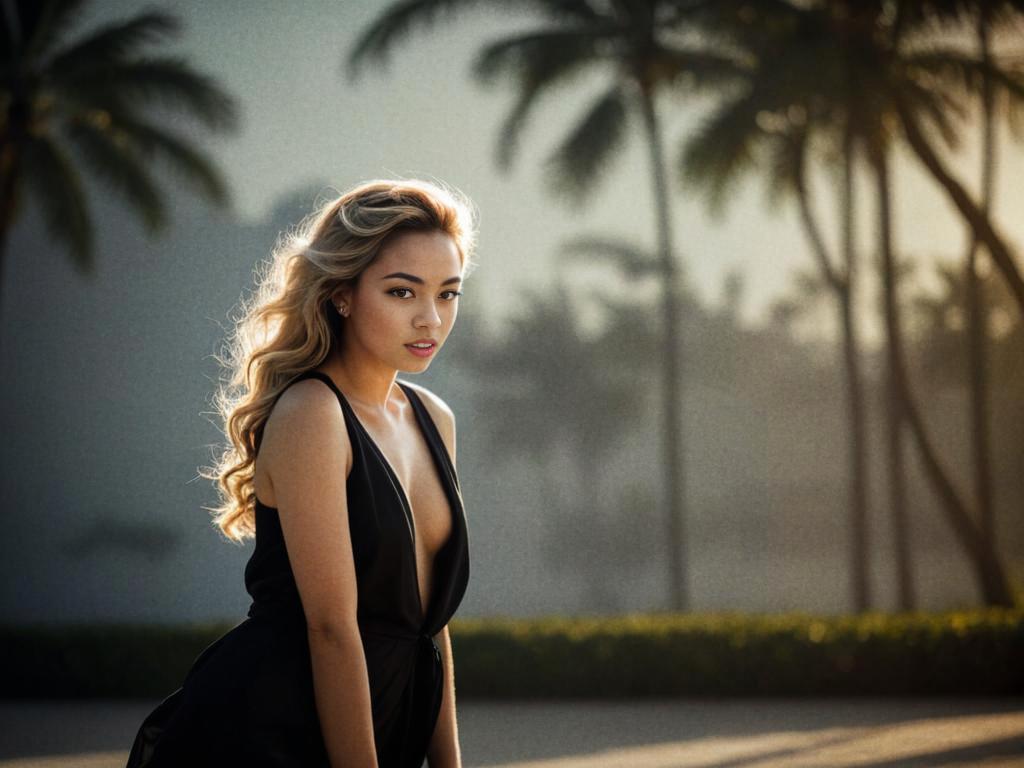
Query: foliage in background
97, 105
956, 653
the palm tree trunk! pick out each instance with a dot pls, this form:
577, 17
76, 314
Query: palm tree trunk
980, 224
843, 288
893, 390
988, 568
673, 390
857, 450
855, 394
976, 311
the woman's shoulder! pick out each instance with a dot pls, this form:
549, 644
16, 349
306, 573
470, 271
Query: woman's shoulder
303, 408
305, 395
305, 427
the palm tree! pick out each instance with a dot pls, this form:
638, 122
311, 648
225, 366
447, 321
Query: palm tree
627, 37
862, 80
913, 83
962, 74
985, 16
769, 124
84, 101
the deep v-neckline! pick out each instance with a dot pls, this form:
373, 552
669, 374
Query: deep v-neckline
396, 481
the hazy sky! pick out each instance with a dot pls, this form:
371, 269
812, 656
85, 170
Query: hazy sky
425, 116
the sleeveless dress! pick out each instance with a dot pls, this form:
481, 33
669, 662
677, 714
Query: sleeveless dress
248, 699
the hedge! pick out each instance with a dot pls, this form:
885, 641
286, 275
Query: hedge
637, 655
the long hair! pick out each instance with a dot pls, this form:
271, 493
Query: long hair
288, 325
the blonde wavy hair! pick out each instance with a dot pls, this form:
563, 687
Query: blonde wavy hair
288, 325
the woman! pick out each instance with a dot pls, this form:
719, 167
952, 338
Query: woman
346, 478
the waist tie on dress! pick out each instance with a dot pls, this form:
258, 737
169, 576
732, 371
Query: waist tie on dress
419, 725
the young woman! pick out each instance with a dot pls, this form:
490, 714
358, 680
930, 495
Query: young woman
346, 477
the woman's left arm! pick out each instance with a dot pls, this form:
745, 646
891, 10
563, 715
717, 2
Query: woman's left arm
443, 751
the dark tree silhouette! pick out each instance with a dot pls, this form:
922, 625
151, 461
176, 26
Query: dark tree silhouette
871, 73
768, 125
99, 101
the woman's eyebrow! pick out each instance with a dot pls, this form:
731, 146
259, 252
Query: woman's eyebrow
414, 279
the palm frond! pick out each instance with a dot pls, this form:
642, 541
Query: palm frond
115, 43
539, 61
43, 24
967, 76
743, 25
512, 126
398, 21
542, 54
721, 149
937, 110
575, 166
153, 142
116, 162
944, 16
634, 262
57, 187
786, 159
952, 68
698, 69
165, 82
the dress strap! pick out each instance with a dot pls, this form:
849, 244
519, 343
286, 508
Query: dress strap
433, 434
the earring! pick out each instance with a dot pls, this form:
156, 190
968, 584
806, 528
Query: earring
343, 310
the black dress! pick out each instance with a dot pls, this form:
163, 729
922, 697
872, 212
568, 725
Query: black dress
248, 699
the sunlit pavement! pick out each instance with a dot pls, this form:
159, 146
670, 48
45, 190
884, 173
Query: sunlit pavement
724, 733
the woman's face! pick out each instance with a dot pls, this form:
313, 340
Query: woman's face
408, 294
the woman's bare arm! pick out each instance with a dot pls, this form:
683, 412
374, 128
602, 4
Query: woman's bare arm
308, 453
443, 751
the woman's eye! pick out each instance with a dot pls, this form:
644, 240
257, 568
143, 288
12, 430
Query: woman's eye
395, 292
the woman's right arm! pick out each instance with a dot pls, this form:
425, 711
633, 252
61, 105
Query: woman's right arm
307, 453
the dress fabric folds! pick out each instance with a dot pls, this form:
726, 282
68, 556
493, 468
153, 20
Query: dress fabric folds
248, 699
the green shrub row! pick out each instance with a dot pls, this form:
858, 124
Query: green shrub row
964, 653
637, 655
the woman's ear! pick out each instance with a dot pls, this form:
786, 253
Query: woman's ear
341, 299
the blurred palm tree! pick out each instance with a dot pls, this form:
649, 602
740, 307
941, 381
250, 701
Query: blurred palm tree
870, 70
632, 39
902, 74
986, 18
932, 84
770, 125
946, 338
65, 103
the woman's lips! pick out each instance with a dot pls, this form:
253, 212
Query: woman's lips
421, 351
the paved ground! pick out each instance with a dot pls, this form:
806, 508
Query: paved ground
728, 733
